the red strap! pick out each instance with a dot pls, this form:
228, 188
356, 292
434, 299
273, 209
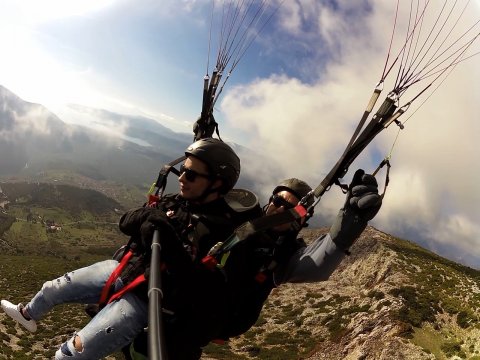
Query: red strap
301, 211
210, 262
260, 277
137, 281
113, 276
218, 341
152, 200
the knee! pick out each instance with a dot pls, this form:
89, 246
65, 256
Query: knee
51, 289
77, 343
69, 348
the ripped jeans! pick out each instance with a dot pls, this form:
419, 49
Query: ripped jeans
114, 327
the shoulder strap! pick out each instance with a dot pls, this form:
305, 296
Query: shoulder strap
161, 182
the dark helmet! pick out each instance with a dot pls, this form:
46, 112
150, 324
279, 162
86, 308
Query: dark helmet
297, 187
221, 160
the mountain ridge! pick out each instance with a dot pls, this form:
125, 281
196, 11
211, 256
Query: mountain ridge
34, 140
377, 305
36, 145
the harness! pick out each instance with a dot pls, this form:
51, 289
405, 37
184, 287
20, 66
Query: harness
104, 297
241, 204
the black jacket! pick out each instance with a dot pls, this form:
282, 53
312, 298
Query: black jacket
187, 233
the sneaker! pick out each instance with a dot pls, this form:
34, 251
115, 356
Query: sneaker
14, 312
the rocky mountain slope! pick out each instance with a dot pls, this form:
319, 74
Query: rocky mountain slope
389, 300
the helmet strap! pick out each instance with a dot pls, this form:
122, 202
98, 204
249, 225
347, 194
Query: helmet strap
209, 190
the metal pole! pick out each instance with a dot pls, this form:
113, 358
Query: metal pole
156, 348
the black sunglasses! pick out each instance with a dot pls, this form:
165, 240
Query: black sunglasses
191, 175
278, 201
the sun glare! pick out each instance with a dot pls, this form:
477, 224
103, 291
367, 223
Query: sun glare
41, 11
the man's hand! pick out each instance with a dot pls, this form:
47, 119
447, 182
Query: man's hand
362, 204
363, 195
157, 219
140, 224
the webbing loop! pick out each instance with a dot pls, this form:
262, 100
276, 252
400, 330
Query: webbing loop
343, 187
384, 162
224, 259
157, 290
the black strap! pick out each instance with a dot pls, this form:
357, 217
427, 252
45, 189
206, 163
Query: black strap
384, 162
355, 147
161, 182
206, 124
261, 224
204, 128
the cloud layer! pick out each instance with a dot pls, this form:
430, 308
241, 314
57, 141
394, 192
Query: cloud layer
315, 67
303, 125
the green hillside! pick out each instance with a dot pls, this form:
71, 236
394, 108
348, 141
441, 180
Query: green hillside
70, 199
85, 221
88, 232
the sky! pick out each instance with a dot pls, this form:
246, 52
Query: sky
296, 96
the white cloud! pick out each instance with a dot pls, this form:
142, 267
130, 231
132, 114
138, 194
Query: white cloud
458, 227
42, 67
303, 127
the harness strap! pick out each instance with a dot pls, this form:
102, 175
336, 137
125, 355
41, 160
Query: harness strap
249, 228
270, 221
114, 276
358, 143
161, 182
137, 281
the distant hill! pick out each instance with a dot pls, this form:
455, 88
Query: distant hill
34, 142
85, 221
71, 199
36, 145
133, 128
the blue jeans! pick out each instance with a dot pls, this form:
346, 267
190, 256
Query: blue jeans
114, 327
